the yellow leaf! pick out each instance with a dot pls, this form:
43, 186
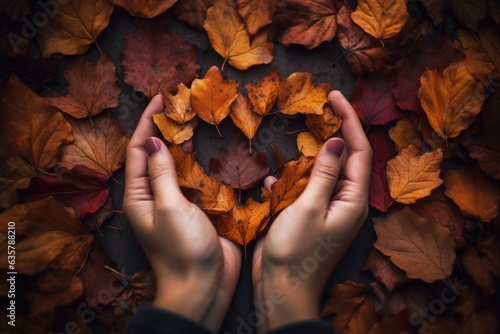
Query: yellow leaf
308, 144
297, 94
172, 131
412, 176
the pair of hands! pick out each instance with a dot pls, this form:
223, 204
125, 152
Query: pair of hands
196, 270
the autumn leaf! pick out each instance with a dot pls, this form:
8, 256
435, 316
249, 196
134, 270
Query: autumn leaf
308, 144
96, 219
91, 89
75, 26
474, 192
155, 60
384, 270
382, 19
80, 188
451, 100
297, 94
263, 95
352, 308
33, 128
307, 23
145, 8
436, 9
140, 289
48, 235
470, 12
256, 13
237, 167
99, 145
212, 96
192, 12
325, 125
412, 175
404, 134
398, 323
244, 118
421, 247
15, 9
178, 106
481, 262
172, 131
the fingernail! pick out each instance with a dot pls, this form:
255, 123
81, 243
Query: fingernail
335, 146
153, 145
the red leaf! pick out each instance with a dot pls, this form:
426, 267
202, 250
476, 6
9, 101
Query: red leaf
80, 188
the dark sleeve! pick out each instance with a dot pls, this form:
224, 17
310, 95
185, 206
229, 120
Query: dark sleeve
308, 326
152, 320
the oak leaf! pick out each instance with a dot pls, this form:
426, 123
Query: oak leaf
33, 128
75, 26
421, 247
257, 14
244, 118
384, 270
172, 131
474, 192
481, 262
229, 36
178, 106
145, 8
99, 145
308, 144
325, 125
155, 60
382, 19
263, 95
412, 175
91, 89
192, 12
298, 94
212, 96
451, 100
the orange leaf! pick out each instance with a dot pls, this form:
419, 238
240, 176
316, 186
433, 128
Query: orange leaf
256, 13
172, 131
297, 94
451, 100
212, 96
145, 8
308, 144
263, 95
178, 107
474, 192
412, 176
420, 246
34, 129
91, 89
326, 125
229, 36
75, 25
382, 19
244, 118
99, 145
405, 134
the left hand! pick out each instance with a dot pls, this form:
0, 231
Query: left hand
196, 271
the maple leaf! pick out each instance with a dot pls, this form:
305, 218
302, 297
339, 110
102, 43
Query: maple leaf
373, 100
192, 12
474, 192
155, 60
297, 94
363, 52
308, 144
172, 131
48, 235
418, 245
381, 18
244, 222
451, 99
145, 8
244, 118
75, 26
384, 270
263, 95
325, 125
99, 145
91, 89
383, 150
256, 13
412, 176
178, 106
237, 167
229, 36
33, 128
353, 309
404, 134
212, 96
307, 23
81, 188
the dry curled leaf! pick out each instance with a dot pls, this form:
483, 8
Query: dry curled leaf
326, 125
263, 95
145, 8
172, 131
178, 106
298, 94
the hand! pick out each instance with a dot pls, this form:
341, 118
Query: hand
196, 271
293, 261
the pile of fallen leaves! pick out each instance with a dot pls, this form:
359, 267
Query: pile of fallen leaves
428, 73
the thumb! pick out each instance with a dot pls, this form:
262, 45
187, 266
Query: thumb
162, 173
325, 173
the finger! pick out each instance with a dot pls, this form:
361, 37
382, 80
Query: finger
269, 181
325, 173
162, 173
136, 153
358, 163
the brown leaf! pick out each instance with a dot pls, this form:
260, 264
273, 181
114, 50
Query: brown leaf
481, 262
470, 12
34, 129
412, 176
15, 9
384, 270
405, 134
297, 94
418, 245
145, 8
326, 125
99, 145
91, 89
263, 95
141, 289
244, 118
172, 131
75, 26
256, 13
192, 12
